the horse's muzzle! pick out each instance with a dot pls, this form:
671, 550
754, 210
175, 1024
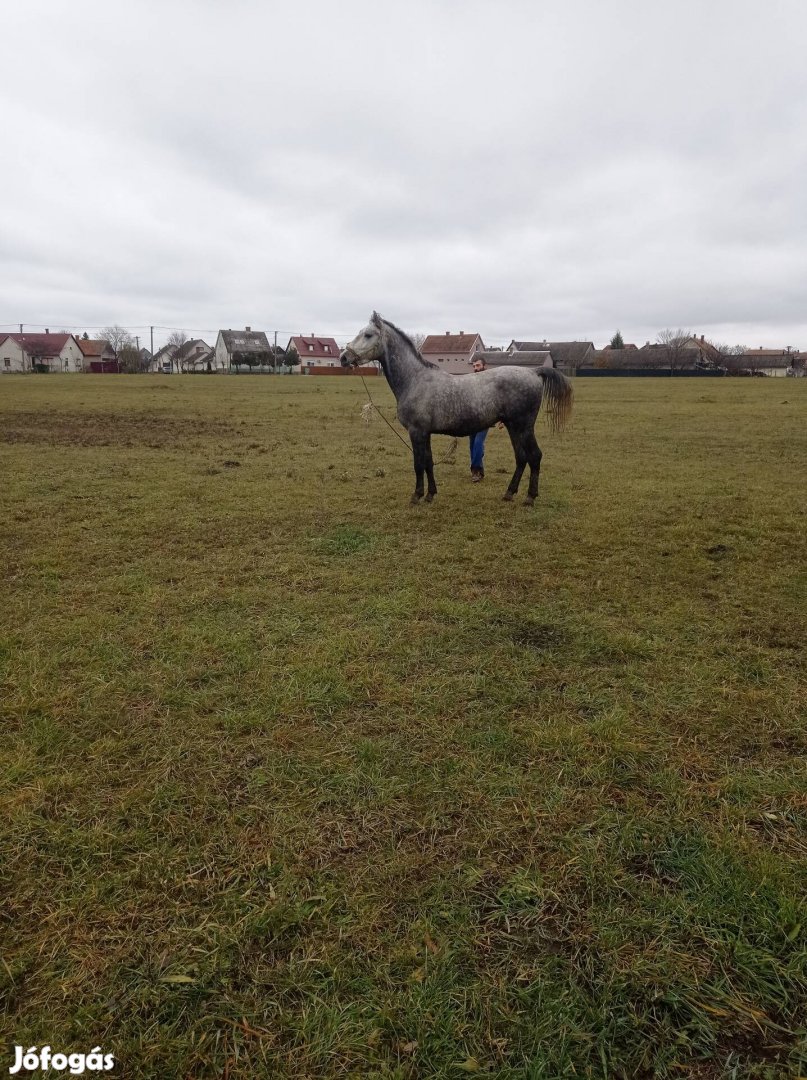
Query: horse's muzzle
346, 358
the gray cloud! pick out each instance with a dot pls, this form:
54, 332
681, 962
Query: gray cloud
520, 169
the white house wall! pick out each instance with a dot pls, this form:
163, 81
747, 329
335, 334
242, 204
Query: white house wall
221, 354
12, 358
71, 358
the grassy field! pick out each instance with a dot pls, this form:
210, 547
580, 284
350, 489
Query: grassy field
297, 780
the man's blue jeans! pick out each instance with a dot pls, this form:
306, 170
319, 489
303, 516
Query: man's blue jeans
478, 449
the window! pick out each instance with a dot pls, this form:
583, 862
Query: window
7, 361
310, 348
327, 348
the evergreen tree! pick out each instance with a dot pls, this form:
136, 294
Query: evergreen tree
617, 342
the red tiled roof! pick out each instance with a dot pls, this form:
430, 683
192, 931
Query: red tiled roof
43, 345
92, 347
316, 346
449, 343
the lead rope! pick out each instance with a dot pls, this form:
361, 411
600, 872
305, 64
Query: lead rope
389, 425
441, 461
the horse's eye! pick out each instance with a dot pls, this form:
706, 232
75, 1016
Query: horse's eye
368, 335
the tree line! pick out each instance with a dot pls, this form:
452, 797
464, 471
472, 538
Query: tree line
673, 349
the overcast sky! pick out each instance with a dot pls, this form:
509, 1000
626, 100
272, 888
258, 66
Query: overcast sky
525, 169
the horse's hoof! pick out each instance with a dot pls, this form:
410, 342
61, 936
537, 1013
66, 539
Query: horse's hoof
529, 500
415, 499
508, 496
430, 496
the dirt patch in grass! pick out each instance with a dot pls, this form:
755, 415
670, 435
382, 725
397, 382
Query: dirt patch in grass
539, 635
145, 430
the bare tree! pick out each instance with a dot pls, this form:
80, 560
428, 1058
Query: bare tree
129, 358
728, 357
417, 340
176, 339
117, 336
675, 344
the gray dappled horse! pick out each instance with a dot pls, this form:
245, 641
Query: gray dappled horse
430, 402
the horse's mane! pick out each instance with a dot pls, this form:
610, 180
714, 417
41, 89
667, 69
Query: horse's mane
409, 342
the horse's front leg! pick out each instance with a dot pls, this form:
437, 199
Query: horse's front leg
429, 464
419, 444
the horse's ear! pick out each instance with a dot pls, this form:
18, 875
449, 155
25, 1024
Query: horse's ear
375, 319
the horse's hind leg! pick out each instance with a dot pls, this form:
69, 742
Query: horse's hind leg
519, 449
534, 456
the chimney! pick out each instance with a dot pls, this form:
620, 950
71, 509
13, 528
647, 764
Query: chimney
448, 333
461, 332
701, 337
248, 329
46, 330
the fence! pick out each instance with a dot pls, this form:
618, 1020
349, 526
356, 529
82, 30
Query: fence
664, 373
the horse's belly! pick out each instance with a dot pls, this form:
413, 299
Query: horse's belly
448, 418
459, 430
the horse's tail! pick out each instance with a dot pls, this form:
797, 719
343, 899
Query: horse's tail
559, 396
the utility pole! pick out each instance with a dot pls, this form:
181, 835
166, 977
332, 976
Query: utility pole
22, 349
274, 355
152, 342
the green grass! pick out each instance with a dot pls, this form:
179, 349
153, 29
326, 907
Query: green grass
403, 791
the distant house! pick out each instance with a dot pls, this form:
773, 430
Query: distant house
567, 355
242, 348
708, 355
99, 356
194, 356
686, 359
775, 362
453, 353
40, 352
162, 363
315, 351
145, 359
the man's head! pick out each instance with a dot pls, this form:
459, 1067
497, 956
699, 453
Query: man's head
479, 363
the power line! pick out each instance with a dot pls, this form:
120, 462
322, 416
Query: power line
156, 326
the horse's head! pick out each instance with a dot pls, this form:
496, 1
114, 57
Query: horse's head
366, 346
